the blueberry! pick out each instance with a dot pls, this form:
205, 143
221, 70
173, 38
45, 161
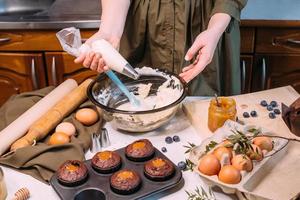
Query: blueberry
176, 138
181, 165
164, 149
263, 103
277, 111
253, 113
246, 115
168, 140
272, 115
273, 103
269, 108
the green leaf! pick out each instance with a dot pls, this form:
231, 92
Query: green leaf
200, 195
210, 146
189, 147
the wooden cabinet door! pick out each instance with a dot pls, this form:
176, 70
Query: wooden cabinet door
246, 71
61, 66
272, 70
20, 72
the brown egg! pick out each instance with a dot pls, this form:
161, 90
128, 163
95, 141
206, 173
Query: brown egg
229, 174
220, 151
256, 153
66, 127
59, 138
87, 116
264, 143
242, 162
209, 165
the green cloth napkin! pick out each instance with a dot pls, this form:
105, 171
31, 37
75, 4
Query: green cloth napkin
42, 160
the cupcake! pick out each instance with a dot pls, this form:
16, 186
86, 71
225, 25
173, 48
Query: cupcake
125, 181
159, 169
140, 150
72, 172
106, 162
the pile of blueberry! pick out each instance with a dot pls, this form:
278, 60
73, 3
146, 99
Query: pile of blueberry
272, 108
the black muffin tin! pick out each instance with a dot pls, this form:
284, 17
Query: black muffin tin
97, 186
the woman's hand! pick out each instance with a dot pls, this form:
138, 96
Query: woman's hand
203, 50
93, 60
204, 46
111, 29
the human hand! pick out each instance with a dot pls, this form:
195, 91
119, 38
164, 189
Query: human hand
204, 46
94, 60
203, 49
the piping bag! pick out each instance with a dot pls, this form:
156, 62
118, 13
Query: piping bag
70, 41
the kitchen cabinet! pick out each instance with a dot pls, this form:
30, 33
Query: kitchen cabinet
276, 70
246, 58
61, 66
277, 58
270, 55
20, 72
32, 59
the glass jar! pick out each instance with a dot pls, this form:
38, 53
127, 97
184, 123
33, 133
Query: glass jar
219, 112
3, 191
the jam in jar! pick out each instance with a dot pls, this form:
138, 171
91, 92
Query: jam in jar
220, 109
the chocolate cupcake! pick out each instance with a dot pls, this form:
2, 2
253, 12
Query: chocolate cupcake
140, 150
125, 181
106, 162
72, 173
159, 169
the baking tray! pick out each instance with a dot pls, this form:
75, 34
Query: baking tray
249, 179
98, 185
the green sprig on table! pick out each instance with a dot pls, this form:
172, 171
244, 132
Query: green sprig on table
189, 165
189, 147
200, 194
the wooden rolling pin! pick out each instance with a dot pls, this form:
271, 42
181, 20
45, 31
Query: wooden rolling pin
21, 125
53, 117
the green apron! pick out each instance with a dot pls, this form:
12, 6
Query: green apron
158, 33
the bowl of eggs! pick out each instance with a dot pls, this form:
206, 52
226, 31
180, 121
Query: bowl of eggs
236, 155
159, 92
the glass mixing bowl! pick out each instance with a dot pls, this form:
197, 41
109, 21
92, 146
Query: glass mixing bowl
105, 94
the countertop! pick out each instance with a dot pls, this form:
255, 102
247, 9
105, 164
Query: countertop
86, 15
283, 173
193, 128
175, 152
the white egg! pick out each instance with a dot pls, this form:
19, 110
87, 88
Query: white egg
66, 127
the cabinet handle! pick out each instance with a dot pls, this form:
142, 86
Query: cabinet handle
263, 74
33, 75
53, 71
3, 40
243, 76
293, 41
286, 42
